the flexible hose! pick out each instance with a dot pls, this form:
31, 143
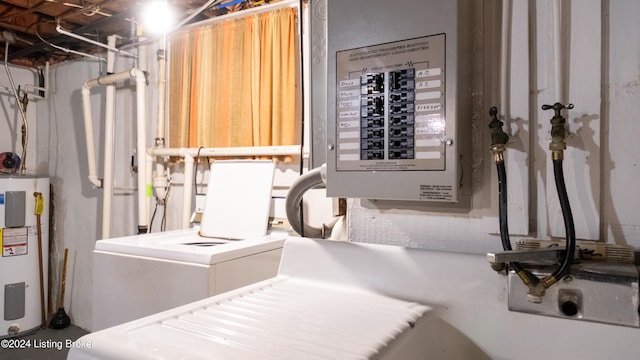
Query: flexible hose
569, 226
502, 209
310, 180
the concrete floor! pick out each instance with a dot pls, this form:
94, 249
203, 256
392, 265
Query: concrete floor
42, 344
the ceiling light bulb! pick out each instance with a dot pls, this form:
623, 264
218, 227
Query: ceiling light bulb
157, 17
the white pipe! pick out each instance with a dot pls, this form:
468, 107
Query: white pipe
69, 50
141, 82
160, 180
232, 151
149, 190
188, 190
88, 122
88, 133
189, 153
143, 52
141, 92
109, 145
556, 11
505, 64
238, 14
97, 43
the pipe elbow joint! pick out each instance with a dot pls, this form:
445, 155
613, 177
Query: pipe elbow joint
95, 182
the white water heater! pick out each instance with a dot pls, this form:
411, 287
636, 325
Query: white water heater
20, 289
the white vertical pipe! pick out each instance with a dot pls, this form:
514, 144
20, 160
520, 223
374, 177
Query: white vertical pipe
143, 55
148, 177
505, 47
160, 181
141, 149
188, 190
557, 50
109, 144
88, 133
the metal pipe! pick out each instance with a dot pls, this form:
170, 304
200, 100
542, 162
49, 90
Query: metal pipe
25, 125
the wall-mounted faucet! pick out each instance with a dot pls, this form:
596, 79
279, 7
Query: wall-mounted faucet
558, 131
602, 291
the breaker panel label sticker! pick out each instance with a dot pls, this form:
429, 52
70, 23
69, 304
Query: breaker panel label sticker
390, 113
436, 192
14, 241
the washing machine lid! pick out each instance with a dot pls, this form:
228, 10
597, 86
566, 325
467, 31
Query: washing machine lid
238, 199
188, 246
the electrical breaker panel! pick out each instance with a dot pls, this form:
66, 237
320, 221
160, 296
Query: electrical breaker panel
398, 117
391, 116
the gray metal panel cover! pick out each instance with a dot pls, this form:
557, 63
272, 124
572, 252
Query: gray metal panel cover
15, 206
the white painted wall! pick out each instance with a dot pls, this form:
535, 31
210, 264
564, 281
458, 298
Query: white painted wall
77, 215
601, 160
11, 119
603, 172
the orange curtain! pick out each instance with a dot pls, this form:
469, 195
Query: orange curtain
235, 83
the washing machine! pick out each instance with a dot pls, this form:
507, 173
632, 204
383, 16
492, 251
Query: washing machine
22, 297
145, 274
330, 300
140, 275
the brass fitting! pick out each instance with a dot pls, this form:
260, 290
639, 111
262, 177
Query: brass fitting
558, 131
524, 276
498, 137
548, 281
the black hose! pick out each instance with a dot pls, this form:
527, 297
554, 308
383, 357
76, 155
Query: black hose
502, 209
570, 231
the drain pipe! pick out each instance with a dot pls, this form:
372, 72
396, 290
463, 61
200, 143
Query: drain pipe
160, 180
141, 92
141, 83
109, 144
188, 190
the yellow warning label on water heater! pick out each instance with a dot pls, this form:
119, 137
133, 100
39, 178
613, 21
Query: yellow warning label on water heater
39, 203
